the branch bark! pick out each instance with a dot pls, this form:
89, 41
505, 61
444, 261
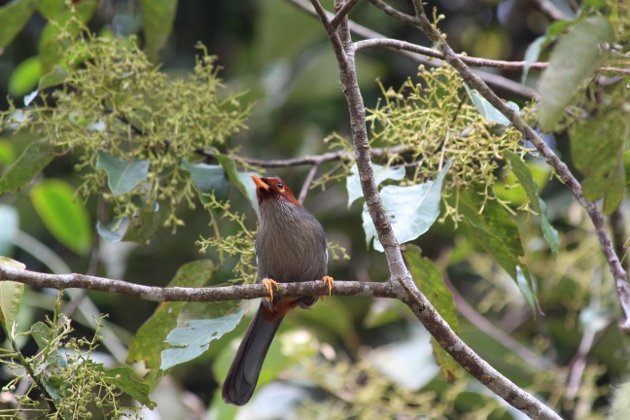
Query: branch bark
344, 52
193, 294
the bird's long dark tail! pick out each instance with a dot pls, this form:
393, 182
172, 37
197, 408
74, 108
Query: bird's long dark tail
241, 379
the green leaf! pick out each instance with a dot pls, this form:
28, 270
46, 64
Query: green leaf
35, 157
411, 210
495, 232
233, 175
531, 55
574, 59
13, 17
626, 163
597, 150
487, 110
53, 78
549, 232
42, 334
207, 178
381, 173
148, 342
122, 175
615, 188
64, 215
25, 76
194, 337
525, 178
11, 294
157, 23
524, 285
52, 9
127, 381
6, 152
144, 225
429, 280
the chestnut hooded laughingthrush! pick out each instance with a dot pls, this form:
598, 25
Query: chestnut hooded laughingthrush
290, 247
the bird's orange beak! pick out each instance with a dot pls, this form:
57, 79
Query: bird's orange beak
260, 183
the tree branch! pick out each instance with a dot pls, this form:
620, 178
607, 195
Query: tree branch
307, 183
193, 294
398, 45
621, 280
417, 302
311, 159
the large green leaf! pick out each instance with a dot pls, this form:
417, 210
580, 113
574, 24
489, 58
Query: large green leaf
411, 210
207, 179
495, 232
122, 175
35, 157
429, 280
524, 176
597, 149
148, 342
193, 338
64, 215
13, 17
157, 23
11, 294
574, 59
25, 76
381, 173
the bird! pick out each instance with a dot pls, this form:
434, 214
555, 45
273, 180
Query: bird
290, 247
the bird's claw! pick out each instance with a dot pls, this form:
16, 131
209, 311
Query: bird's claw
270, 285
330, 282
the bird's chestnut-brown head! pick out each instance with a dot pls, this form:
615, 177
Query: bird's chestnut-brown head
273, 188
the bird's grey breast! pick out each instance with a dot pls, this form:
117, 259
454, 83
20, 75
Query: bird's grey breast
291, 245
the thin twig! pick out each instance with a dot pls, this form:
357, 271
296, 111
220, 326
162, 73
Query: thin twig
399, 45
561, 169
337, 155
494, 79
307, 183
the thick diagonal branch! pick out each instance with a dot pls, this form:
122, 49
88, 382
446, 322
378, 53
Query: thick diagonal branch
419, 304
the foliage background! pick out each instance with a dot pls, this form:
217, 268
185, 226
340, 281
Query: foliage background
281, 58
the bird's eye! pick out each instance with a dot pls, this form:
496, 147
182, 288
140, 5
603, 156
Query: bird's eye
280, 186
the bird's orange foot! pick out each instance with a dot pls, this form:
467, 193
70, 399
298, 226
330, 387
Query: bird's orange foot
270, 285
330, 282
